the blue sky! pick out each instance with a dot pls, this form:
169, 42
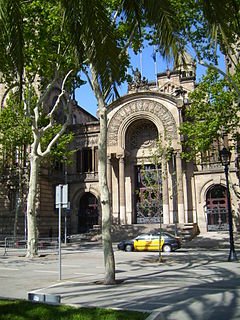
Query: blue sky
87, 100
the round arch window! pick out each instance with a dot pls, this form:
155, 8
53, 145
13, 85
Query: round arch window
141, 134
217, 215
88, 212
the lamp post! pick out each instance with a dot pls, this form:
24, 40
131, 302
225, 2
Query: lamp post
225, 156
174, 185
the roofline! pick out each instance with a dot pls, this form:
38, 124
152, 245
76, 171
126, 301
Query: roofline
143, 94
85, 111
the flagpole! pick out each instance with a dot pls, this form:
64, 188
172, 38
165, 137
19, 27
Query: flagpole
156, 75
127, 55
141, 67
155, 64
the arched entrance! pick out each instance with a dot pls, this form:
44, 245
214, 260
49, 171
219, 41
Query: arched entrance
217, 215
148, 198
88, 212
141, 135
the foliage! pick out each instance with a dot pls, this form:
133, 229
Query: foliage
127, 23
211, 115
16, 132
11, 38
19, 310
35, 30
207, 24
15, 129
102, 48
59, 152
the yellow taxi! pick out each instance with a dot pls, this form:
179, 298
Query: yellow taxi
150, 242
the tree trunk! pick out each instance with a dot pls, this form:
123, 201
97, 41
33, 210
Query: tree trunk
109, 260
105, 202
31, 209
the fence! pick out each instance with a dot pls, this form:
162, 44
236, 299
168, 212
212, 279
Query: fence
11, 244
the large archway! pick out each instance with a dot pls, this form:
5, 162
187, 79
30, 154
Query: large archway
88, 212
141, 136
217, 215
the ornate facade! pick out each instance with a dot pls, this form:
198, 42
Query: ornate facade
188, 193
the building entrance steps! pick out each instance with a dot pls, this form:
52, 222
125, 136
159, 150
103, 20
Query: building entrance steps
123, 232
213, 240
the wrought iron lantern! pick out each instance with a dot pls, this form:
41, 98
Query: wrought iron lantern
225, 156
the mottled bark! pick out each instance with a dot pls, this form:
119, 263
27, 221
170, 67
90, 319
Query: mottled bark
32, 249
35, 156
109, 260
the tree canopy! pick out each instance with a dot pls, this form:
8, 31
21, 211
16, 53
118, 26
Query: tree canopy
213, 114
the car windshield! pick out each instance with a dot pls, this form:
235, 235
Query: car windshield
143, 237
155, 236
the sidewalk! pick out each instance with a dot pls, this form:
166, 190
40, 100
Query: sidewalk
191, 283
213, 240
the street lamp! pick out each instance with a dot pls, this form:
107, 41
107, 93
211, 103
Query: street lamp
174, 185
225, 156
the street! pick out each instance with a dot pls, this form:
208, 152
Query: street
188, 284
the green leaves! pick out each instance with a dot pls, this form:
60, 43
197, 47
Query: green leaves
96, 39
212, 114
33, 39
15, 131
59, 152
15, 126
11, 36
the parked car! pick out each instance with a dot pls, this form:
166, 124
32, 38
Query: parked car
150, 242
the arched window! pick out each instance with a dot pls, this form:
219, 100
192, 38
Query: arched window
217, 215
88, 212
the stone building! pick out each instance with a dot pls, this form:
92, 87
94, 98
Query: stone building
190, 194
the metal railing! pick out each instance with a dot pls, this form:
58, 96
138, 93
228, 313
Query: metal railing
11, 244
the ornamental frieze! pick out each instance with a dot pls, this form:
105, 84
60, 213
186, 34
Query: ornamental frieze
148, 107
83, 142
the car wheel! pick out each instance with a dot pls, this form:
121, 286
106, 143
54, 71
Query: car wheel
128, 248
167, 248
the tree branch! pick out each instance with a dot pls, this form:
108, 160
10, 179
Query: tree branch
54, 140
50, 114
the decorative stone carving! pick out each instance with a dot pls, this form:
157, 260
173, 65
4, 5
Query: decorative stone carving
141, 134
138, 83
83, 142
146, 106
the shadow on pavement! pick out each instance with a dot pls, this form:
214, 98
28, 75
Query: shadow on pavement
182, 287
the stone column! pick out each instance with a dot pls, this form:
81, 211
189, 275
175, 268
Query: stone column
81, 160
180, 197
166, 213
122, 197
194, 199
93, 158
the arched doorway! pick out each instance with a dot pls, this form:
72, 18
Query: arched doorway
140, 140
217, 215
88, 212
149, 204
